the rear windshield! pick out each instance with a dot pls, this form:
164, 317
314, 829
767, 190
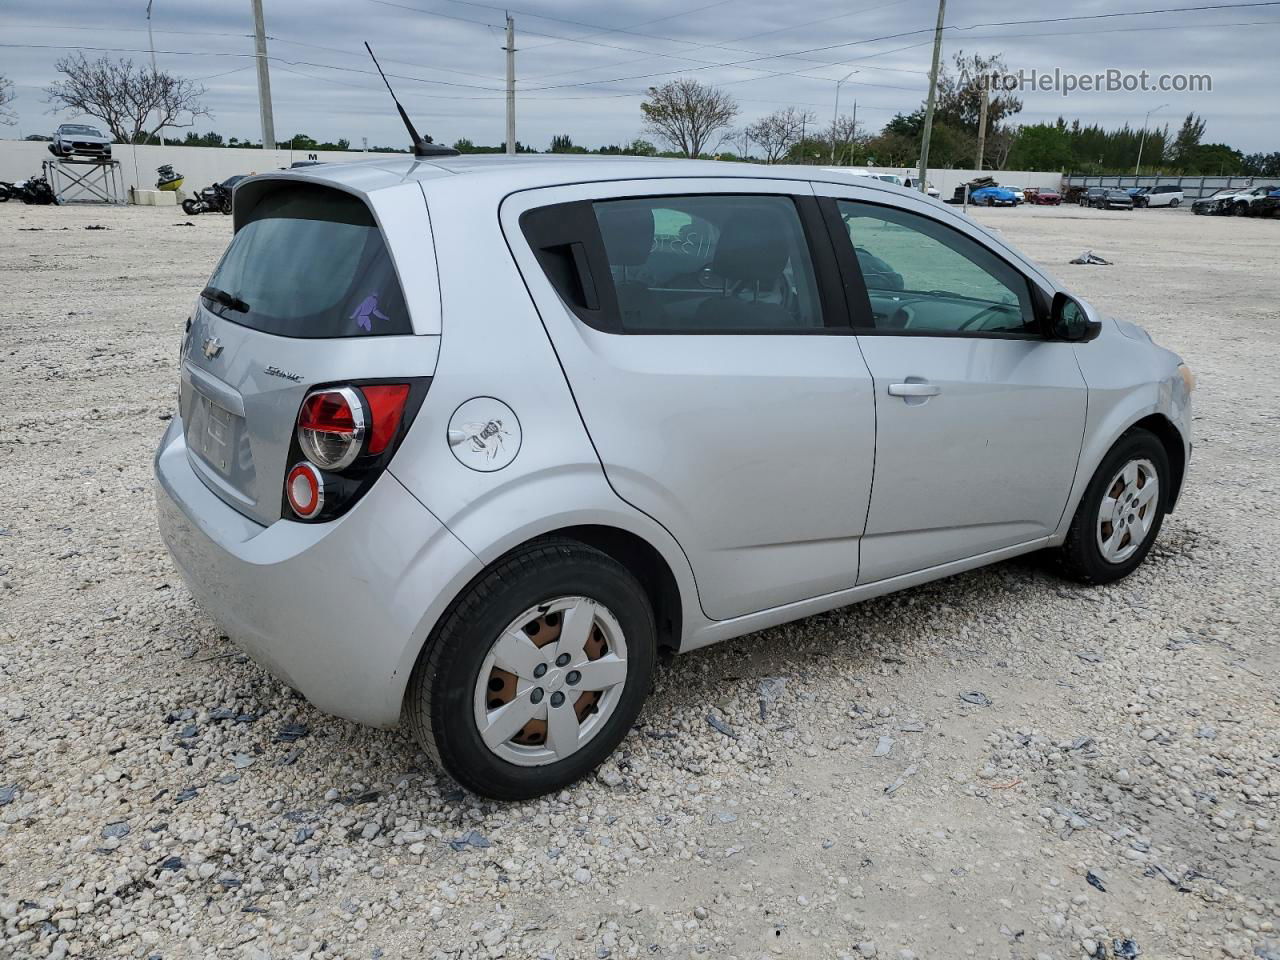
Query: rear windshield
309, 262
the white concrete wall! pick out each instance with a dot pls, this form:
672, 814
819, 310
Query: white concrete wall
201, 166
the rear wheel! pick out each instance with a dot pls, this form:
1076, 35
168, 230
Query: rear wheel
1121, 512
536, 673
1175, 201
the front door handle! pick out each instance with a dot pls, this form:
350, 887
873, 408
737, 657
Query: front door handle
914, 389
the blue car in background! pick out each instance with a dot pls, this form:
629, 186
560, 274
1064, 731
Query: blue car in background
995, 197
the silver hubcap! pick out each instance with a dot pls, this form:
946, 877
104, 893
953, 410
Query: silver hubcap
1128, 510
551, 681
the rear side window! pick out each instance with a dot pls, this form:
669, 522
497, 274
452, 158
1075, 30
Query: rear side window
709, 264
309, 262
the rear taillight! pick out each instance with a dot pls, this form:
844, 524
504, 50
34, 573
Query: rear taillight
386, 406
331, 427
344, 439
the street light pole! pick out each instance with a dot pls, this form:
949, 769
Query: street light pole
933, 96
835, 114
151, 41
1143, 140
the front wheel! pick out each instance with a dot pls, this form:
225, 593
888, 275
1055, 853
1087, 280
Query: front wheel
536, 672
190, 207
1121, 512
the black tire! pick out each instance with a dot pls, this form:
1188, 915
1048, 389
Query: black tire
190, 207
1080, 558
438, 703
1176, 201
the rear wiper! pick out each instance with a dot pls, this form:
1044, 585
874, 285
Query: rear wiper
224, 298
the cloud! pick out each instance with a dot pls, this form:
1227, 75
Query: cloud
582, 67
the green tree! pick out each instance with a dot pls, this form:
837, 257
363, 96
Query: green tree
1041, 146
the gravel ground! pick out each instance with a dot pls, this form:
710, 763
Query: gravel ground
999, 765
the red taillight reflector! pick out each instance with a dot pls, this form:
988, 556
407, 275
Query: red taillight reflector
305, 490
386, 405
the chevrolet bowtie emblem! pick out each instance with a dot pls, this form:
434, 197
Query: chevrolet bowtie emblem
212, 347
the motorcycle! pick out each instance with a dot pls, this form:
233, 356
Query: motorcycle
215, 197
33, 190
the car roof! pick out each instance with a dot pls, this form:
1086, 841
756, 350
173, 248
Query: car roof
526, 171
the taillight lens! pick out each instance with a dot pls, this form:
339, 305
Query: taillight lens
331, 427
386, 406
345, 437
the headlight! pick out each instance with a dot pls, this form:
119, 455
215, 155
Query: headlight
1188, 377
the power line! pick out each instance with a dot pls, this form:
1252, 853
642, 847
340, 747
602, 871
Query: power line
910, 33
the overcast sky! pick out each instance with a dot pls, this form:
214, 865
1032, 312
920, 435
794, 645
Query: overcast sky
582, 68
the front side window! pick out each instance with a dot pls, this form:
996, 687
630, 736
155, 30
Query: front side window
309, 262
709, 264
923, 277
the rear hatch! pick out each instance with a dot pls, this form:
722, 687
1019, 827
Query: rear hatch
308, 293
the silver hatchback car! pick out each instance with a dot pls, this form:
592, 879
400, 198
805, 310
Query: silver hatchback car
468, 441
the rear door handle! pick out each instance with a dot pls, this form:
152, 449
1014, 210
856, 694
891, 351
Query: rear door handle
914, 389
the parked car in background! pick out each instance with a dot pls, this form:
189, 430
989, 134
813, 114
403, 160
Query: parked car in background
476, 472
1162, 195
1045, 198
1268, 206
1214, 205
929, 188
995, 197
1108, 198
1245, 203
80, 140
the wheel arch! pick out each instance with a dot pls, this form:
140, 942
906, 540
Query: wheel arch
667, 580
1171, 440
1100, 440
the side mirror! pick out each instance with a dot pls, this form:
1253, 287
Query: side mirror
1069, 321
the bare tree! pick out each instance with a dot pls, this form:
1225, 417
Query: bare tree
135, 103
7, 116
688, 115
779, 131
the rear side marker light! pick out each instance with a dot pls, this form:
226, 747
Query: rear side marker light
331, 427
305, 489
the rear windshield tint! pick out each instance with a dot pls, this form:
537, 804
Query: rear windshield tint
310, 262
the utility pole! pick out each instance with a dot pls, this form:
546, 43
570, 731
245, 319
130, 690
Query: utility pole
982, 122
853, 134
933, 96
511, 85
264, 78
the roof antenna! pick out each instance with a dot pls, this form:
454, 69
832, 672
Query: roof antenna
420, 147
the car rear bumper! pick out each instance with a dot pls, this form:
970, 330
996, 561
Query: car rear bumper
338, 610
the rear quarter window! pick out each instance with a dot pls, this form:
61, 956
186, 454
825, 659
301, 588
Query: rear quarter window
309, 261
